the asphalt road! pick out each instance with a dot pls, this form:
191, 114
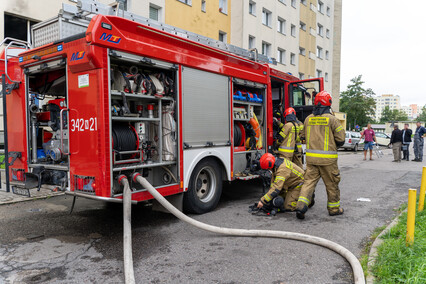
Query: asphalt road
40, 242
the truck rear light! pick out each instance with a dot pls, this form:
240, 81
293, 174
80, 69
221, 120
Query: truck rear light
18, 175
84, 184
350, 141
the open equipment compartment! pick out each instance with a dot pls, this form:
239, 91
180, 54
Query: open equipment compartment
144, 132
249, 118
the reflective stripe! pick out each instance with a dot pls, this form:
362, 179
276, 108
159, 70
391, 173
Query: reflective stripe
279, 178
335, 204
326, 138
285, 150
283, 135
338, 129
316, 155
288, 164
281, 125
321, 152
267, 198
289, 140
300, 185
304, 200
300, 175
307, 137
294, 204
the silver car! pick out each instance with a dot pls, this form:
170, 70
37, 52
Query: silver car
352, 141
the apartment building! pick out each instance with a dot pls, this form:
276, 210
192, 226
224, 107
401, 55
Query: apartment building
412, 111
392, 101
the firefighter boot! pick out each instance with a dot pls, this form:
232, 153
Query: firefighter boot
312, 201
300, 213
340, 212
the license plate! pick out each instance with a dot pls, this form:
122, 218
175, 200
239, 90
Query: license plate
21, 191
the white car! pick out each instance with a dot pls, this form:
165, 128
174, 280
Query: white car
382, 139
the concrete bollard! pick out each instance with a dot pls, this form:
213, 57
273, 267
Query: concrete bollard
422, 191
411, 216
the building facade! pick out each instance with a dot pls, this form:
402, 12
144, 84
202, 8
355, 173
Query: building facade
412, 111
392, 101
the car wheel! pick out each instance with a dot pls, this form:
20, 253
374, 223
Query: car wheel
356, 148
205, 187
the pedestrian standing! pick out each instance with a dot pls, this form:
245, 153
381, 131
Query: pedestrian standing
370, 137
396, 141
418, 142
323, 135
406, 140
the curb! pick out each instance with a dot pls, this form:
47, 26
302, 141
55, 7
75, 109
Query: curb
373, 250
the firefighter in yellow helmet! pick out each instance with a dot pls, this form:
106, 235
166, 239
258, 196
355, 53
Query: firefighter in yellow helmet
323, 134
286, 182
288, 138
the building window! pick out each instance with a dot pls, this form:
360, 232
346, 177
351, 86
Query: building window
281, 25
154, 12
122, 4
326, 77
319, 52
292, 59
301, 76
281, 56
327, 33
293, 30
222, 36
187, 2
303, 26
252, 8
327, 54
320, 7
302, 51
203, 6
328, 11
320, 30
319, 73
266, 17
16, 27
293, 3
251, 42
282, 1
304, 2
223, 6
266, 48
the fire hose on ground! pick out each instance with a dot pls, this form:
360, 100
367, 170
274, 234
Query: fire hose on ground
127, 238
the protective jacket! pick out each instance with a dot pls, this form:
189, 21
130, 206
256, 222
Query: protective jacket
287, 176
323, 134
290, 139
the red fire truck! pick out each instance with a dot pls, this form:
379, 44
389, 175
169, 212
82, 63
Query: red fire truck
119, 95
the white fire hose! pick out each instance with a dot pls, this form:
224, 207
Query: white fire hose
128, 271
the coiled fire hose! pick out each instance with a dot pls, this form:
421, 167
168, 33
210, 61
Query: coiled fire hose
129, 277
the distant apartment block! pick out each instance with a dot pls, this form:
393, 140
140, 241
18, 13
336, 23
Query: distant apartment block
392, 101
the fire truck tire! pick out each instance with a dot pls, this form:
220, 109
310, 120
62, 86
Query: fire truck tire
205, 187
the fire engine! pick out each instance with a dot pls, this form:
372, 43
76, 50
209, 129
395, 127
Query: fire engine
103, 92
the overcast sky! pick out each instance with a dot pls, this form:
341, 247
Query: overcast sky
385, 41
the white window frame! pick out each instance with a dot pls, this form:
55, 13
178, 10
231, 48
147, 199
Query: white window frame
224, 36
327, 33
203, 6
302, 26
319, 73
266, 48
326, 77
283, 2
328, 11
293, 30
319, 52
320, 30
327, 55
223, 6
293, 3
158, 8
187, 2
252, 39
252, 4
321, 7
304, 2
266, 17
301, 76
281, 25
292, 59
281, 55
302, 51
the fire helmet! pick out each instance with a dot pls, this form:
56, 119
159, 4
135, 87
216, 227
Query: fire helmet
288, 111
267, 161
323, 98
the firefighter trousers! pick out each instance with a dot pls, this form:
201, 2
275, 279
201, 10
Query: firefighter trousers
290, 197
330, 174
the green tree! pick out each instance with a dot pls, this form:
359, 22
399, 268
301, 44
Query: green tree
389, 115
422, 116
358, 103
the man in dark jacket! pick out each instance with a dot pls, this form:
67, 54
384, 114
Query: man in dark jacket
406, 140
396, 141
418, 142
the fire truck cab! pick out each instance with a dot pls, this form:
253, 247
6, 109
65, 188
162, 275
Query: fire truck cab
121, 96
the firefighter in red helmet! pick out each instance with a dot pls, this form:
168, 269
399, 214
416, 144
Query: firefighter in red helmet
286, 182
323, 134
290, 146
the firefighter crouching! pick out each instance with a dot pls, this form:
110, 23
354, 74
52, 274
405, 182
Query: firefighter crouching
286, 183
288, 138
323, 134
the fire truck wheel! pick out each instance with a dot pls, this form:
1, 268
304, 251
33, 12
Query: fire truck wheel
205, 188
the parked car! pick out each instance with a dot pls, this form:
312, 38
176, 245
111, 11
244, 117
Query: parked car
383, 139
352, 141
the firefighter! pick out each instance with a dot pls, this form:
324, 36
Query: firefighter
288, 138
323, 134
286, 183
